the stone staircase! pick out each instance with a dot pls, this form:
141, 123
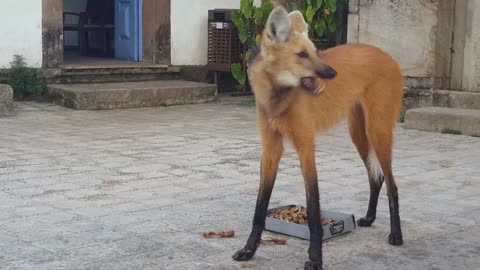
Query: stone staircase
119, 87
112, 73
442, 111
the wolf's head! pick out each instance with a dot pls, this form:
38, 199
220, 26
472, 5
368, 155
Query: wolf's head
289, 53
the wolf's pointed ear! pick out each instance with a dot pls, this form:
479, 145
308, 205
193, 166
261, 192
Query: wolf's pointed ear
298, 22
278, 25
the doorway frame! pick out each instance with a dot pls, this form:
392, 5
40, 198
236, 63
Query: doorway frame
156, 32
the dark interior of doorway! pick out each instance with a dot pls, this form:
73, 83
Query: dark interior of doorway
89, 29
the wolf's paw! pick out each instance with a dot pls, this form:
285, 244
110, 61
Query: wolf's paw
365, 221
309, 265
243, 255
395, 239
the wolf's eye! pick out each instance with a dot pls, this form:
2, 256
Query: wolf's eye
302, 54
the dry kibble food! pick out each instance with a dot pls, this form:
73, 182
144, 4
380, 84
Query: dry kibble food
274, 241
296, 214
221, 234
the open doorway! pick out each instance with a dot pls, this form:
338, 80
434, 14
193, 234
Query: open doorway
102, 31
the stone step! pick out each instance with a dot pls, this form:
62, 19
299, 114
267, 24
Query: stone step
102, 74
414, 98
104, 96
442, 119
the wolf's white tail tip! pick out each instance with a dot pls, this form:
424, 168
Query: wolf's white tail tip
374, 165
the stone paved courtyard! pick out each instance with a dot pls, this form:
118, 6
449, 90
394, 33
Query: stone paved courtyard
134, 189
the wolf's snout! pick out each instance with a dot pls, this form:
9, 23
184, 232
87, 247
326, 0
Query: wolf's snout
326, 73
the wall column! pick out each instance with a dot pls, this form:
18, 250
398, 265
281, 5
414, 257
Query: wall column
471, 65
52, 33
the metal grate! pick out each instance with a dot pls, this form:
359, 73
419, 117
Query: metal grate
224, 47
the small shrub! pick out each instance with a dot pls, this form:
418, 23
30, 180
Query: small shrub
401, 119
451, 131
248, 102
25, 81
476, 135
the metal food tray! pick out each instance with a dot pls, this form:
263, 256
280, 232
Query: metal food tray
342, 223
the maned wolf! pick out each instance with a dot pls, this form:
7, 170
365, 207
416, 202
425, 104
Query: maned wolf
300, 93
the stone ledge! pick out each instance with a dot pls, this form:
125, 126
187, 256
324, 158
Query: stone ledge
104, 96
439, 119
6, 100
415, 98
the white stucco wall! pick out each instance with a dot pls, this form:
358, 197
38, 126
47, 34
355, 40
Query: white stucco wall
21, 31
405, 29
189, 29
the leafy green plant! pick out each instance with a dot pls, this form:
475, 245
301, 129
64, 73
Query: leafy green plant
476, 135
248, 102
25, 81
320, 15
239, 74
250, 21
401, 119
451, 131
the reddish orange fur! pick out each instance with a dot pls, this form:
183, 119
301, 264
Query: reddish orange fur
365, 75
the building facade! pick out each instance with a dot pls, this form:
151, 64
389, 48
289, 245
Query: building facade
436, 42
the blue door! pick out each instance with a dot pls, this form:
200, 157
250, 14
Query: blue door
128, 30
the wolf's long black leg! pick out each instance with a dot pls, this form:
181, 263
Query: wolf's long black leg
272, 152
